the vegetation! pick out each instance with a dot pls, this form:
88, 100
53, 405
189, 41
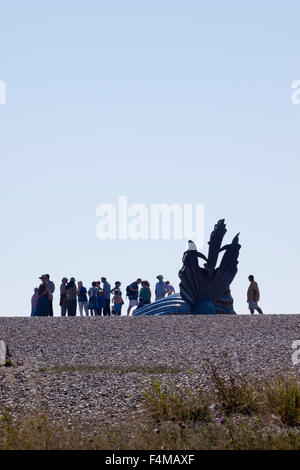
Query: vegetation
230, 413
111, 369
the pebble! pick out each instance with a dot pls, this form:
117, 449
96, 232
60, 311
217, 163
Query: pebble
106, 362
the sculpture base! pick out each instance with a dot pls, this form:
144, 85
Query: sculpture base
175, 305
206, 307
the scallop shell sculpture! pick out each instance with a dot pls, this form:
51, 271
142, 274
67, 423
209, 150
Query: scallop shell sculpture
203, 291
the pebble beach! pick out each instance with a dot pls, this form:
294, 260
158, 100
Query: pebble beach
94, 368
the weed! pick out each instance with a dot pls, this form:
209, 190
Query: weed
234, 394
283, 397
176, 403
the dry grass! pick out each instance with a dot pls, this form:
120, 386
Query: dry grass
37, 431
230, 414
176, 404
283, 399
110, 369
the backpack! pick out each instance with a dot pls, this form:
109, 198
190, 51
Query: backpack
93, 291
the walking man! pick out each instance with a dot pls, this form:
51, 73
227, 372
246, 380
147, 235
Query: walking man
253, 296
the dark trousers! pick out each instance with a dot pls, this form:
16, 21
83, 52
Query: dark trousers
51, 308
98, 312
63, 305
72, 306
106, 308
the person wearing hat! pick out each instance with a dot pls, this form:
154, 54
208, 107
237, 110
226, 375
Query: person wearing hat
160, 289
43, 305
51, 286
169, 288
63, 296
71, 298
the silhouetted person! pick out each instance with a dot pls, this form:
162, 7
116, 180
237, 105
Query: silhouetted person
42, 308
82, 299
169, 288
160, 289
51, 286
117, 299
253, 296
71, 298
132, 291
63, 296
144, 294
93, 293
34, 301
100, 300
106, 293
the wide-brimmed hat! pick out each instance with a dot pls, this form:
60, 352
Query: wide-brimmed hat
43, 276
64, 279
160, 276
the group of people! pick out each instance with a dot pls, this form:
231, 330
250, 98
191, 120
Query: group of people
96, 301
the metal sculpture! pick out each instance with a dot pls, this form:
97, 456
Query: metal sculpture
202, 290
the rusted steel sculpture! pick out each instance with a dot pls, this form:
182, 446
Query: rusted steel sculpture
202, 290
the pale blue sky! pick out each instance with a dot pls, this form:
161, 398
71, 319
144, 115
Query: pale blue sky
162, 101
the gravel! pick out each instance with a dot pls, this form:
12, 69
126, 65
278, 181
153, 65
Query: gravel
94, 368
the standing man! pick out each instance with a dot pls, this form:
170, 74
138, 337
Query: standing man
132, 291
160, 289
63, 296
253, 296
106, 292
51, 286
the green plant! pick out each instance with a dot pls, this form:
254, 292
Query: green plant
9, 363
234, 394
283, 397
175, 403
70, 368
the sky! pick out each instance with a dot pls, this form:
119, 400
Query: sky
185, 102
